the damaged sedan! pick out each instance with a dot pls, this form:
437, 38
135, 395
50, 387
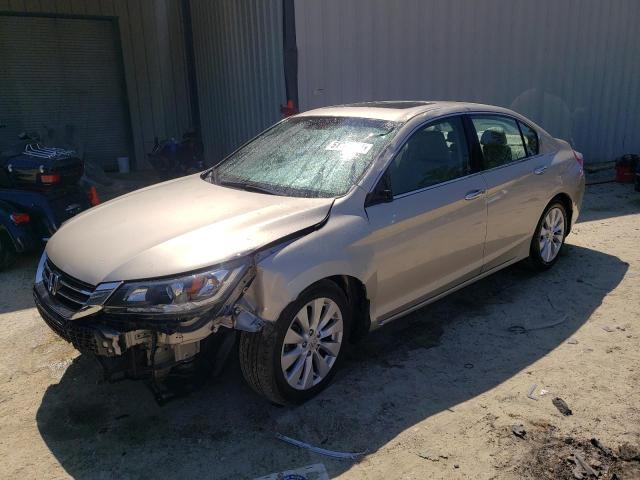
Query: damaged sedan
329, 224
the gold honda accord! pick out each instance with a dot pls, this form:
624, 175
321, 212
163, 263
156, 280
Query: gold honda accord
327, 225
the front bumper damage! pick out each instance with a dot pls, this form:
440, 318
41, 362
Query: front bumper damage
138, 346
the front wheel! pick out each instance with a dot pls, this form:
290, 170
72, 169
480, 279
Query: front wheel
549, 237
293, 359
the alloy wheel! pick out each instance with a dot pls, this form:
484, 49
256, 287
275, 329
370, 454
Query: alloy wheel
551, 234
312, 343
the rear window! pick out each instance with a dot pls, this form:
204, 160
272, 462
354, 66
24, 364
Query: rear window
499, 139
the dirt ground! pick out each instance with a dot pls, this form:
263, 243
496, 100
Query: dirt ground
435, 395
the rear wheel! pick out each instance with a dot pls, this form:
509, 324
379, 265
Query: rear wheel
293, 359
7, 252
549, 238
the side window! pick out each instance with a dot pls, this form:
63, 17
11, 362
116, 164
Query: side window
432, 155
530, 139
499, 138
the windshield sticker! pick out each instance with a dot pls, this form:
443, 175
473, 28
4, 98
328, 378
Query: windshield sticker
352, 148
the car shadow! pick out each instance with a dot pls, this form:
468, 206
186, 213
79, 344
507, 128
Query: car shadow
419, 366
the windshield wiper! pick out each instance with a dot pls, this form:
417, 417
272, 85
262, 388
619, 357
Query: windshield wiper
247, 186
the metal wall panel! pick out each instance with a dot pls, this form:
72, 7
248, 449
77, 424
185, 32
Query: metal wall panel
151, 40
240, 72
66, 75
573, 66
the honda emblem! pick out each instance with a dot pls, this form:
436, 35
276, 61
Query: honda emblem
54, 283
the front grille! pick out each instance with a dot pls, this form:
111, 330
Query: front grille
83, 338
72, 293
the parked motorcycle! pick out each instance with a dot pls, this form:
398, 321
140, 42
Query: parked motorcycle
39, 190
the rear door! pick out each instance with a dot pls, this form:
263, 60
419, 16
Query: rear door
516, 185
430, 237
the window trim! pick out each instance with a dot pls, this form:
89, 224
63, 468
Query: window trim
526, 147
426, 124
496, 114
437, 185
524, 143
473, 146
477, 158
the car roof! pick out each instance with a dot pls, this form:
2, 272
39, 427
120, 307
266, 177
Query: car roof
400, 110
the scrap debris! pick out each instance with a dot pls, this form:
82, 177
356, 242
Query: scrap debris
562, 406
600, 446
628, 452
518, 430
564, 457
318, 450
582, 467
531, 392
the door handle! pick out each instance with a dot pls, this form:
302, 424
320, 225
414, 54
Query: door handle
540, 170
473, 194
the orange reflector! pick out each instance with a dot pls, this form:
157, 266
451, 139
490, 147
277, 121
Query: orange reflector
93, 196
288, 109
196, 285
19, 218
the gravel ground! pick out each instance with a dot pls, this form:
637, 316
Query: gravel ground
435, 395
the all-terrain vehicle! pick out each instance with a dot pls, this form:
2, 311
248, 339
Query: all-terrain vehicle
39, 190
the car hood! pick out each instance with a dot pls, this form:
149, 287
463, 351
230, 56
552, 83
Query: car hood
176, 227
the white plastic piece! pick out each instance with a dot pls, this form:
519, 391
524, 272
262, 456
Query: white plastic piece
321, 451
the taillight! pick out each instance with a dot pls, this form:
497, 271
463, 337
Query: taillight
50, 178
20, 218
579, 158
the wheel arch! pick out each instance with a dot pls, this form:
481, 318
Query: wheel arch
567, 203
356, 292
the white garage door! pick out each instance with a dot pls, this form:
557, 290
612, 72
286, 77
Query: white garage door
63, 78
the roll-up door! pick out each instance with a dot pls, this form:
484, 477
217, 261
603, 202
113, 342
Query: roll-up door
62, 78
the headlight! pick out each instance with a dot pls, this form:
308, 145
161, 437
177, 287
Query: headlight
176, 295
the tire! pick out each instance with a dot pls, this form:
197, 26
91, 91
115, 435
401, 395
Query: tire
265, 355
547, 244
7, 252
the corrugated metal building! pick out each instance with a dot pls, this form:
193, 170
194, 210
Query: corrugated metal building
240, 71
571, 65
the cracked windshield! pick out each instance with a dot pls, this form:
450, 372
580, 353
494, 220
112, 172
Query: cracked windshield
307, 156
